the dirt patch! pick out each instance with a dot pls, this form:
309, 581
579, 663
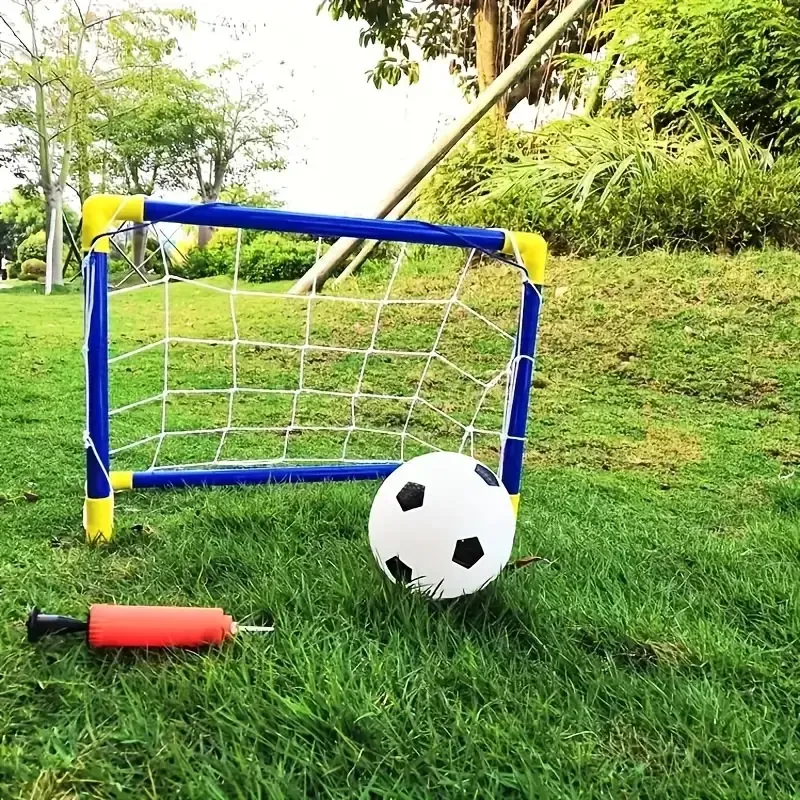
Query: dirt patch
664, 448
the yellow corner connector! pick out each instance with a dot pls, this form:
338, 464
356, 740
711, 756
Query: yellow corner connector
98, 519
515, 502
100, 210
121, 481
532, 250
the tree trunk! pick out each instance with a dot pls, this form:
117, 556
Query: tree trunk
55, 236
488, 55
84, 180
204, 232
139, 245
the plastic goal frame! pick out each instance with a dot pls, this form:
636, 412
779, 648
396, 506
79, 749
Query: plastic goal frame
101, 213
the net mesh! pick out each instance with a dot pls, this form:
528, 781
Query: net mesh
413, 357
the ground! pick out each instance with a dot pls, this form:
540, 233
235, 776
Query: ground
651, 652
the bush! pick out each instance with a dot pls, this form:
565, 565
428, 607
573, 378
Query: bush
263, 257
273, 257
216, 258
600, 186
33, 269
35, 246
13, 269
712, 56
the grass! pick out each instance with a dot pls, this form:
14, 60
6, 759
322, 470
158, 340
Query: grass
652, 652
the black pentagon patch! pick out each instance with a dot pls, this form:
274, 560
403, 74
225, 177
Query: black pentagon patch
411, 496
487, 475
398, 570
468, 552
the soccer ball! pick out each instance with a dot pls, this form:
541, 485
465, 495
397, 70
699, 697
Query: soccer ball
443, 524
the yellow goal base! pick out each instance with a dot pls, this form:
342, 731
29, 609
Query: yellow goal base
98, 519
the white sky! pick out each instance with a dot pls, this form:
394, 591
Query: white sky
353, 140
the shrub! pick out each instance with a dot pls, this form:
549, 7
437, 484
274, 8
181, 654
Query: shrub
216, 258
274, 257
35, 246
456, 180
599, 186
712, 56
33, 269
13, 269
263, 257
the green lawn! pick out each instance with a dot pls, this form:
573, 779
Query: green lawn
654, 651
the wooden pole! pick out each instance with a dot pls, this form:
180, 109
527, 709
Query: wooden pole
508, 78
398, 212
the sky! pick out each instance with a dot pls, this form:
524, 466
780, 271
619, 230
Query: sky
352, 140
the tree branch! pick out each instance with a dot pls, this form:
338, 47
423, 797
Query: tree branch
43, 145
529, 88
531, 14
66, 155
198, 174
80, 13
103, 20
153, 177
25, 127
17, 36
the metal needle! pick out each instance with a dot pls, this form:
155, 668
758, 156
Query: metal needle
236, 628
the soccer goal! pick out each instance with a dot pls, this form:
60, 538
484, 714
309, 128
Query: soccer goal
223, 380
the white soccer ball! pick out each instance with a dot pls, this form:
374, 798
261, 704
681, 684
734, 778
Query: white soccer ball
442, 524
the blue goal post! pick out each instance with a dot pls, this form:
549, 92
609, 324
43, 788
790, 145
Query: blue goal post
105, 214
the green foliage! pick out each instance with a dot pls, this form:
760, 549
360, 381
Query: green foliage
35, 246
274, 257
470, 165
33, 268
57, 69
13, 269
147, 129
241, 195
692, 54
597, 185
479, 45
216, 258
20, 216
264, 257
237, 134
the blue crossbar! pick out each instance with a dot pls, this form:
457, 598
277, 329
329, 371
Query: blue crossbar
269, 219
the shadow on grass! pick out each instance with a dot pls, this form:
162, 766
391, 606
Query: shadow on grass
388, 611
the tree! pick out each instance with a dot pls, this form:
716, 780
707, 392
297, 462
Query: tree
42, 81
743, 57
145, 127
481, 38
239, 136
58, 61
20, 216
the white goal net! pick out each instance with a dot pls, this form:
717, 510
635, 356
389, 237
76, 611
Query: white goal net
416, 354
